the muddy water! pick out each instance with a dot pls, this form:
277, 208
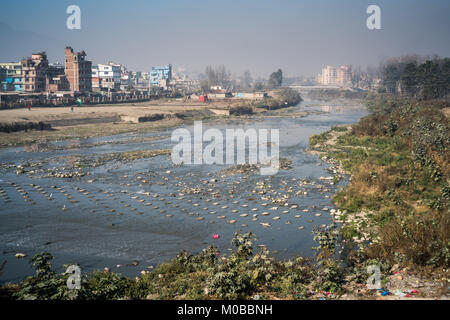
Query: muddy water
147, 210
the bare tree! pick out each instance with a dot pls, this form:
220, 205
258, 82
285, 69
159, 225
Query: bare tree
246, 79
218, 76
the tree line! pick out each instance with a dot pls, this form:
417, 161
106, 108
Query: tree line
220, 76
411, 77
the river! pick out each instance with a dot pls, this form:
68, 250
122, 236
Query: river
146, 210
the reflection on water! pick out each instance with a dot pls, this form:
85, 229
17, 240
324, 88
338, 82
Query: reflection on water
339, 108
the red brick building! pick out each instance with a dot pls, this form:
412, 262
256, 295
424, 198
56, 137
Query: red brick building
78, 71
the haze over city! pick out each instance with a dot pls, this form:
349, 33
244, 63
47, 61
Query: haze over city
300, 37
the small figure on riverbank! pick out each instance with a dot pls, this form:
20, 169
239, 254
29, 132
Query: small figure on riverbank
29, 107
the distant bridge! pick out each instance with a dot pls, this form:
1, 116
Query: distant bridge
314, 88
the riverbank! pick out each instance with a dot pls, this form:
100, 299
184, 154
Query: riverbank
395, 207
61, 123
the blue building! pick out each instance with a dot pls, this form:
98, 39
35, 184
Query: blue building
160, 76
11, 78
12, 84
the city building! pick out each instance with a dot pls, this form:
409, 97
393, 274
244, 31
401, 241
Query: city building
4, 84
34, 72
125, 80
161, 76
140, 80
78, 71
107, 76
11, 76
328, 76
96, 82
332, 76
56, 79
344, 76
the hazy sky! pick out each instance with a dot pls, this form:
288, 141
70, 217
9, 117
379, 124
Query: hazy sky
298, 36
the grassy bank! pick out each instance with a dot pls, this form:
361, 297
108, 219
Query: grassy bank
396, 205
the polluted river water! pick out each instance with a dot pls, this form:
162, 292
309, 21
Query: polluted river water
133, 214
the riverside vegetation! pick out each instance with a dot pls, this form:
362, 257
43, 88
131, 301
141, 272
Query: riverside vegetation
239, 275
396, 205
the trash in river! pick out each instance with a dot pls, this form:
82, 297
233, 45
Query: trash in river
399, 293
216, 236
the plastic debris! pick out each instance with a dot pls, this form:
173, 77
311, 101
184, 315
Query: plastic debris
399, 293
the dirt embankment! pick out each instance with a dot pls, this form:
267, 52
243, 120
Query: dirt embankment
59, 123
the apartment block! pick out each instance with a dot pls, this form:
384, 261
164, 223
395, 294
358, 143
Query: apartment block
107, 76
11, 76
330, 75
161, 76
34, 72
344, 76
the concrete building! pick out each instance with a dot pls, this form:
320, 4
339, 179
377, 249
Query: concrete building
78, 71
332, 76
344, 76
125, 80
11, 76
108, 76
328, 76
3, 83
96, 82
185, 85
34, 72
161, 76
140, 80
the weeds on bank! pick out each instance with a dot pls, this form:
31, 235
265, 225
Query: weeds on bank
243, 274
398, 158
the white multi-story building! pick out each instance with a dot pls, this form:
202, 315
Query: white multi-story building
106, 76
330, 75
